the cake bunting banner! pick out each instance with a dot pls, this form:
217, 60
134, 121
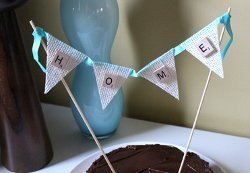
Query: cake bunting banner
109, 79
62, 58
162, 73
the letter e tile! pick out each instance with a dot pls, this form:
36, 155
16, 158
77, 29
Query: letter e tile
205, 47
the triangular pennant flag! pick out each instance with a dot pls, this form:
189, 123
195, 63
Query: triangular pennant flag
205, 46
109, 80
162, 73
61, 59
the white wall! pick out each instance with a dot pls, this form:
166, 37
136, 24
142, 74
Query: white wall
149, 28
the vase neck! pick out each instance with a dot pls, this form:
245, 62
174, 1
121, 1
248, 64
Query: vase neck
90, 26
95, 45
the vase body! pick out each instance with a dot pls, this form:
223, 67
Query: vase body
24, 141
90, 26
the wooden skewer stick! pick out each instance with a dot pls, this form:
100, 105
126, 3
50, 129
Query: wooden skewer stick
200, 105
80, 111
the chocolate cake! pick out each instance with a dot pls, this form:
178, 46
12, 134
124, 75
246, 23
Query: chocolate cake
150, 159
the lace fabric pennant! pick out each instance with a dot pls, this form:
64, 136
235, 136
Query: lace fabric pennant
109, 80
61, 59
205, 46
162, 72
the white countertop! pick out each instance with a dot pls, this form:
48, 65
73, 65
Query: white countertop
71, 147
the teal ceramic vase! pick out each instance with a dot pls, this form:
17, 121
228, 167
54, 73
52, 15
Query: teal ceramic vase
90, 26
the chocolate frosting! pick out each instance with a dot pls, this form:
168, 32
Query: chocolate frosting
150, 159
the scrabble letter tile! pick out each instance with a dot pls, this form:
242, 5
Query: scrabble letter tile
162, 74
110, 81
205, 47
60, 60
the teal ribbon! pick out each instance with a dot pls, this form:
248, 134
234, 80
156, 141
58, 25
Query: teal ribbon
225, 19
88, 61
178, 49
38, 35
133, 73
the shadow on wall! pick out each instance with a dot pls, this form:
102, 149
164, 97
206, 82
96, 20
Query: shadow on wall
156, 27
